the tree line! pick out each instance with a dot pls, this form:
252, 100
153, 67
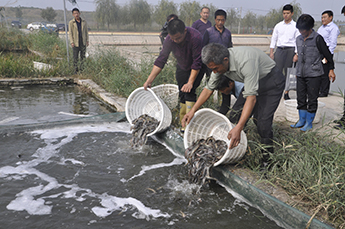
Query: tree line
138, 15
141, 15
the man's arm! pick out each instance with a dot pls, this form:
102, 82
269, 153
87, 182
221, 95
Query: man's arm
70, 33
274, 39
203, 97
154, 72
235, 134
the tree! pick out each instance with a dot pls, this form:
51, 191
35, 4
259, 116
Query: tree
162, 10
18, 11
261, 22
107, 12
249, 20
139, 12
189, 12
232, 18
48, 14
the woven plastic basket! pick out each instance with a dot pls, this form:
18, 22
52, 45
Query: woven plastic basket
292, 112
142, 101
207, 122
168, 93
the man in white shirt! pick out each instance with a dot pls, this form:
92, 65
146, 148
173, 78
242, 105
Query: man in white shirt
284, 38
330, 32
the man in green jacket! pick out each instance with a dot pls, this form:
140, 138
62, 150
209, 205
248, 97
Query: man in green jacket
78, 36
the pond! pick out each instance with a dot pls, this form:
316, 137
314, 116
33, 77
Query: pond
86, 174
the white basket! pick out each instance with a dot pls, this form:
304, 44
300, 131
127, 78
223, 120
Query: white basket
292, 112
207, 122
168, 93
142, 101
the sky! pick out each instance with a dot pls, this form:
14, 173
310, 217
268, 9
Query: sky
260, 7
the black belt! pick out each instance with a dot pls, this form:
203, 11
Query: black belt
286, 47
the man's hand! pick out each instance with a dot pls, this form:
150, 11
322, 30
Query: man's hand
147, 84
234, 136
186, 118
331, 75
272, 55
295, 58
187, 87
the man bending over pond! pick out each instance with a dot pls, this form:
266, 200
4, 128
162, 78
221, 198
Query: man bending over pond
263, 88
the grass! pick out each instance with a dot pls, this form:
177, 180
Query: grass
308, 165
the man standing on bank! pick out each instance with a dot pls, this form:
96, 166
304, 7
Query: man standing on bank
203, 23
284, 37
221, 35
263, 87
79, 37
330, 32
186, 44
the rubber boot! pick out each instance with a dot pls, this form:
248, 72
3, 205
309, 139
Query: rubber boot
189, 106
302, 119
182, 114
309, 121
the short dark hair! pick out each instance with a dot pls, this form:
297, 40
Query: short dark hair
220, 13
75, 9
288, 7
172, 16
305, 22
329, 12
343, 10
223, 82
205, 7
176, 26
214, 52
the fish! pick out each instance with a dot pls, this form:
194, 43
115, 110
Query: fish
141, 127
201, 156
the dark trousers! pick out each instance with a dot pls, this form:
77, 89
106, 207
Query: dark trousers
307, 93
182, 78
269, 94
283, 58
76, 51
325, 83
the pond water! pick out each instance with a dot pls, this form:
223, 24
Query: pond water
87, 176
38, 104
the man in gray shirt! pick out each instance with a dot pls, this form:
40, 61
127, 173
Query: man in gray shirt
263, 88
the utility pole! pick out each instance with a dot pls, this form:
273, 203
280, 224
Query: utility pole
67, 45
239, 21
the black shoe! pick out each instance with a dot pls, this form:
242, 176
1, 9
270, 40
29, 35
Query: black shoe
322, 95
339, 127
340, 121
286, 96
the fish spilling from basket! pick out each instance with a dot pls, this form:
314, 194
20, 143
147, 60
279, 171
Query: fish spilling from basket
201, 156
142, 126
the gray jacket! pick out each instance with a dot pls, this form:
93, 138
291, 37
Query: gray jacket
309, 57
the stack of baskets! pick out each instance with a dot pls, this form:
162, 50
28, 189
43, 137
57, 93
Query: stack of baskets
143, 101
168, 93
207, 122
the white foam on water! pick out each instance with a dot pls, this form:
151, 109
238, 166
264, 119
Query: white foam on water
75, 115
10, 119
113, 203
145, 168
27, 200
